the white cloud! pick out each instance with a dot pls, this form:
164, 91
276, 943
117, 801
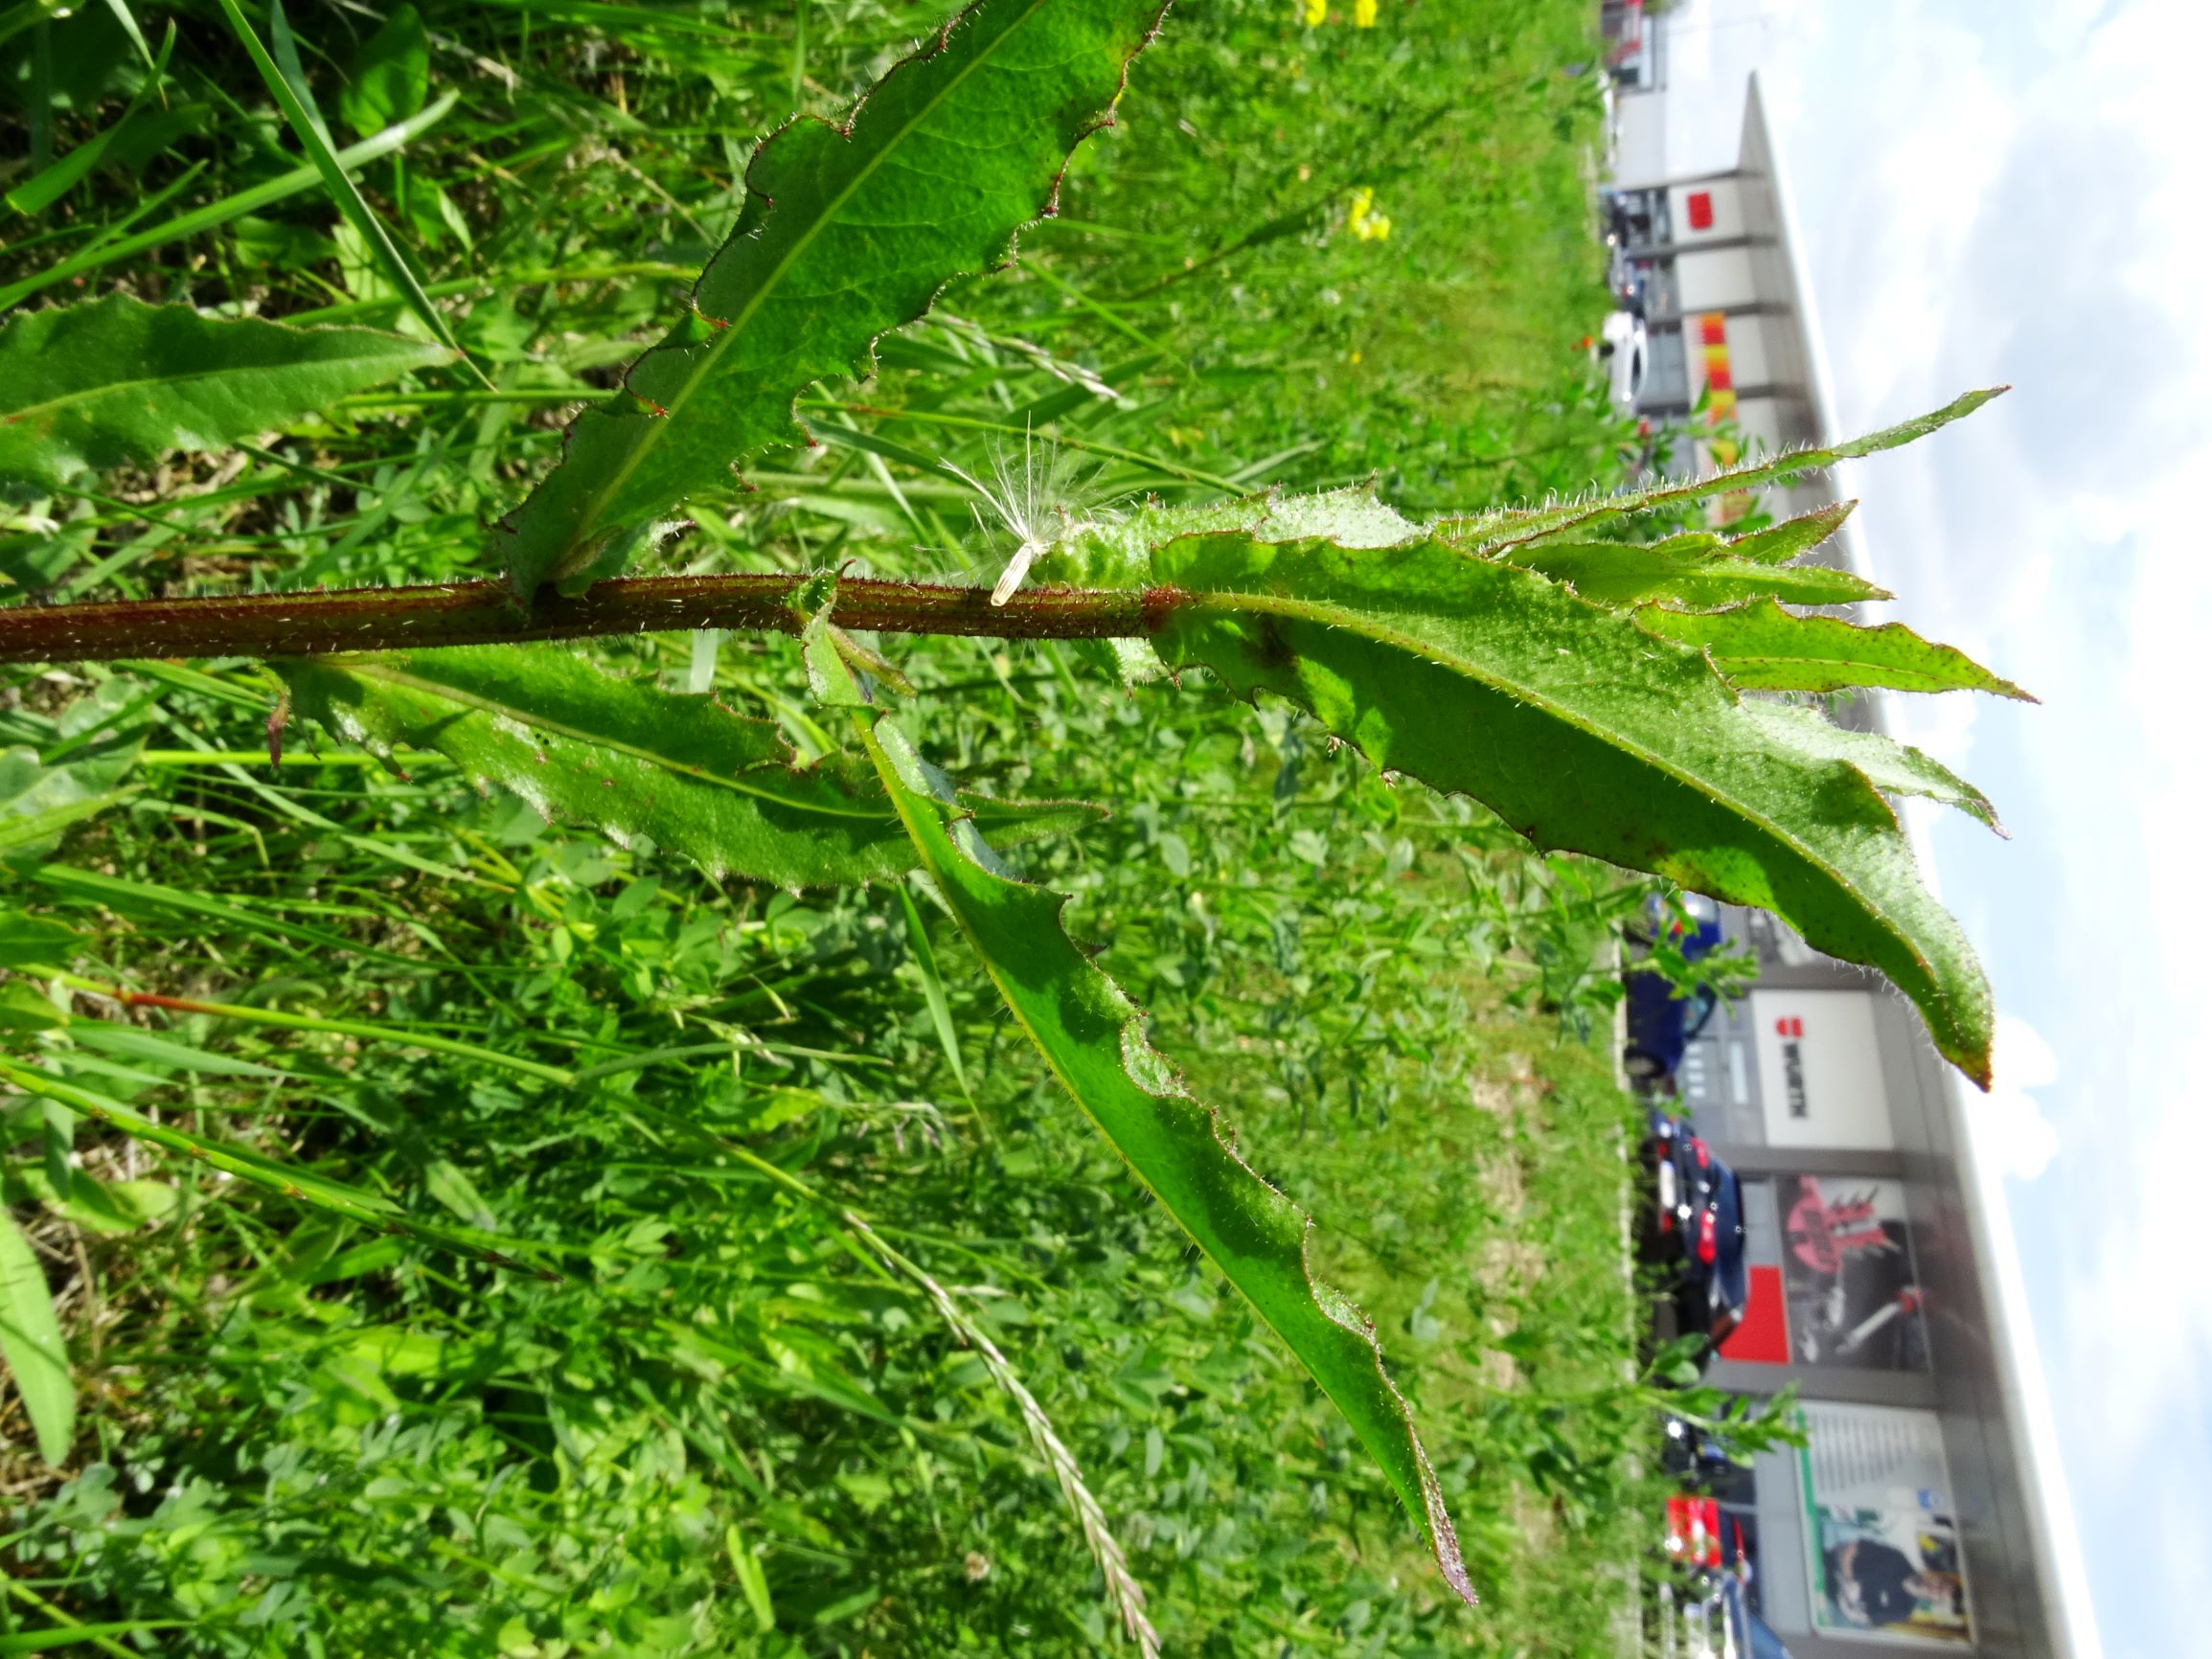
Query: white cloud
2011, 193
2008, 1124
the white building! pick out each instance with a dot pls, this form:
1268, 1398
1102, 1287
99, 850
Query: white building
1875, 1278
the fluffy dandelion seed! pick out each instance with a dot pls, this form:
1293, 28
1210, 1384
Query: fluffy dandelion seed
1033, 504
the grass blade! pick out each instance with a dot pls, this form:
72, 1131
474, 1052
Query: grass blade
31, 1342
933, 989
303, 1186
229, 208
307, 123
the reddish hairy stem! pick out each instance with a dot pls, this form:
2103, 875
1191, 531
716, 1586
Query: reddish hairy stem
380, 618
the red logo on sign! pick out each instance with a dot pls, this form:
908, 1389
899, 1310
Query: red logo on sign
1792, 1027
1701, 205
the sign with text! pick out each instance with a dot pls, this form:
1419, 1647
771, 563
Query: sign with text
1820, 1069
1880, 1535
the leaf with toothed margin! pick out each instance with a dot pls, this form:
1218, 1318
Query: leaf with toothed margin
1894, 768
1760, 647
846, 231
1689, 572
1489, 530
1780, 543
625, 757
1586, 733
1092, 1038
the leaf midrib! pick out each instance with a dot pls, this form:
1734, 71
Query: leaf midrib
538, 722
1430, 651
1726, 661
705, 363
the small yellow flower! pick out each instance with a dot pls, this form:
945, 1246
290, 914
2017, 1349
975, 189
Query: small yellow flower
1363, 13
1363, 221
1316, 13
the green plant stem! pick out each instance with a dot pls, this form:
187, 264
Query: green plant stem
374, 618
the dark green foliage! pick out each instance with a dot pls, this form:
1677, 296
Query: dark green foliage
91, 388
1327, 981
635, 761
1092, 1036
555, 1302
1582, 730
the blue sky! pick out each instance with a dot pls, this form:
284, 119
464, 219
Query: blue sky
1993, 192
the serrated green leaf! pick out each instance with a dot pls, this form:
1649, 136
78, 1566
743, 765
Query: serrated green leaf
31, 1343
845, 233
1691, 572
1780, 543
1583, 732
1092, 1038
627, 759
1760, 647
1894, 768
1514, 524
116, 382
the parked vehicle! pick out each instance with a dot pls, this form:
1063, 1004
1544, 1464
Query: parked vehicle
1696, 1228
1706, 1608
1662, 1028
1624, 352
1661, 1025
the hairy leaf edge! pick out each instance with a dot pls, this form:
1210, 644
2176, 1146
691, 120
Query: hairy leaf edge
1973, 1058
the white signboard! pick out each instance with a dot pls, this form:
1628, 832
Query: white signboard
1820, 1069
1881, 1532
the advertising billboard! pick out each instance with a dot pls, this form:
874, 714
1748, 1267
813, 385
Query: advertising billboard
1847, 1270
1820, 1070
1881, 1534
